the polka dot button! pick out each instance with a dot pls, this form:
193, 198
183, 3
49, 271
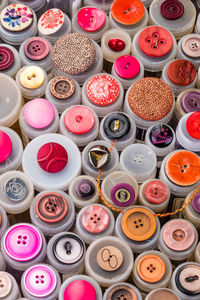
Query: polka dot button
85, 188
196, 203
79, 120
6, 58
36, 48
109, 258
188, 279
191, 102
5, 146
191, 46
155, 191
122, 291
31, 77
62, 87
122, 194
138, 224
95, 219
51, 21
155, 41
151, 268
127, 66
5, 285
79, 290
193, 125
91, 18
181, 72
172, 9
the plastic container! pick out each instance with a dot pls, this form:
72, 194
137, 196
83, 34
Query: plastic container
52, 211
192, 211
138, 227
80, 124
197, 27
68, 7
41, 281
4, 221
83, 190
179, 18
63, 92
10, 60
120, 189
2, 263
9, 289
93, 222
162, 292
197, 253
122, 289
59, 173
187, 101
36, 5
3, 4
101, 4
100, 267
96, 155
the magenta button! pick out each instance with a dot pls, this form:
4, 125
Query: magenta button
91, 18
80, 290
196, 203
127, 66
39, 113
36, 48
22, 242
5, 146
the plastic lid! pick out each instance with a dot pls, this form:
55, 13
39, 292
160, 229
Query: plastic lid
122, 194
51, 21
31, 77
191, 46
5, 285
91, 18
193, 125
171, 9
15, 189
127, 66
62, 87
161, 135
36, 48
191, 102
120, 291
84, 189
79, 290
5, 146
155, 191
109, 258
6, 58
196, 203
181, 72
187, 279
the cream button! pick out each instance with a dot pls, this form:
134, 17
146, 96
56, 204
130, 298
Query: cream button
31, 77
5, 285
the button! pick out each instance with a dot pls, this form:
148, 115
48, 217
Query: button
178, 235
109, 258
62, 87
36, 48
191, 102
15, 189
6, 58
39, 113
116, 125
51, 21
79, 290
127, 66
188, 279
52, 157
122, 292
23, 242
5, 146
122, 194
85, 189
191, 46
155, 41
193, 125
116, 45
127, 12
79, 120
138, 224
181, 72
161, 136
155, 191
172, 9
31, 77
5, 285
99, 156
40, 281
16, 17
151, 268
95, 219
68, 248
91, 18
196, 203
183, 168
51, 207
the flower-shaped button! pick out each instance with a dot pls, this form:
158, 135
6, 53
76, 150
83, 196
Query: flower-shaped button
36, 48
91, 18
32, 77
6, 58
181, 72
172, 9
155, 191
5, 146
5, 285
191, 102
51, 21
15, 189
193, 125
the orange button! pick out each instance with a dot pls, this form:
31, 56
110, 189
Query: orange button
151, 268
127, 12
138, 224
181, 72
183, 168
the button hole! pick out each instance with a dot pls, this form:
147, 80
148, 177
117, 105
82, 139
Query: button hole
127, 65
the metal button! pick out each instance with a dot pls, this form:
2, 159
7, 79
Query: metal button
99, 156
188, 279
116, 126
62, 87
5, 285
85, 188
6, 58
122, 292
15, 189
36, 48
109, 258
122, 194
32, 77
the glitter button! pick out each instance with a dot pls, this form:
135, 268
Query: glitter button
188, 279
51, 21
161, 136
5, 146
127, 66
155, 191
91, 18
122, 194
15, 189
181, 72
79, 290
32, 77
5, 285
191, 102
6, 58
172, 9
36, 48
116, 44
62, 87
196, 203
193, 125
151, 268
116, 125
109, 258
122, 291
191, 46
84, 188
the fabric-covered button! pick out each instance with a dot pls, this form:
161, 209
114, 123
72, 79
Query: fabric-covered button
161, 136
155, 191
84, 188
193, 125
191, 102
181, 72
31, 77
51, 21
91, 18
15, 189
116, 125
172, 9
196, 203
122, 291
6, 58
62, 87
188, 279
116, 44
80, 290
5, 285
122, 194
99, 156
127, 66
109, 258
5, 146
36, 48
191, 46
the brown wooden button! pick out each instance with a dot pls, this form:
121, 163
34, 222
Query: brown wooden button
62, 87
181, 72
122, 292
109, 258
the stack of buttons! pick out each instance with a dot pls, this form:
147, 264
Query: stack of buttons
10, 61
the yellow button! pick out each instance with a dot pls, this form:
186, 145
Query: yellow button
32, 77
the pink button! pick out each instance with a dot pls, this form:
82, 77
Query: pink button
5, 146
79, 119
36, 48
39, 113
155, 191
91, 18
23, 242
127, 66
80, 290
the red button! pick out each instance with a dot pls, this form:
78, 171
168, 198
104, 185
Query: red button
6, 58
127, 66
91, 18
5, 146
193, 125
181, 72
95, 219
36, 48
79, 119
116, 45
155, 41
155, 191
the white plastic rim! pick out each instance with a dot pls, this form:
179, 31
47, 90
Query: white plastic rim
12, 71
4, 221
190, 214
154, 292
34, 4
2, 263
104, 5
179, 112
197, 253
125, 284
14, 292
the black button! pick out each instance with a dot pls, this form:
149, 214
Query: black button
116, 126
161, 136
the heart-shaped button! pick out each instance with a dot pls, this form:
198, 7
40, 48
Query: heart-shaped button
116, 45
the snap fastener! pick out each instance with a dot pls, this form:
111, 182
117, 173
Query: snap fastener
99, 156
127, 66
15, 189
122, 292
155, 191
188, 279
172, 9
62, 87
6, 58
193, 125
80, 289
181, 72
116, 45
196, 203
116, 125
191, 46
122, 194
91, 18
5, 146
31, 77
51, 21
161, 136
5, 285
84, 189
36, 48
109, 258
191, 102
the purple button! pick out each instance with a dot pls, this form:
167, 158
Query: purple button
172, 9
6, 58
84, 188
196, 203
191, 102
36, 48
122, 194
127, 66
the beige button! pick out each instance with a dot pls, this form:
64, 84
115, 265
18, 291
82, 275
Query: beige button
5, 285
109, 258
32, 77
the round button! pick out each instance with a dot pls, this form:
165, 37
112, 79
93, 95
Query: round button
155, 41
52, 157
161, 136
181, 72
127, 12
172, 9
62, 87
191, 102
79, 119
138, 224
39, 113
5, 146
80, 290
122, 194
109, 258
99, 156
178, 235
23, 242
95, 219
183, 168
116, 45
51, 21
122, 292
193, 125
116, 126
5, 285
196, 203
36, 48
6, 58
16, 17
31, 77
15, 189
155, 191
84, 188
191, 46
102, 90
151, 268
91, 18
51, 207
127, 66
188, 279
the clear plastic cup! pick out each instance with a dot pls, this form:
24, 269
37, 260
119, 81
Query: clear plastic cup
69, 7
101, 4
122, 289
197, 27
187, 101
10, 60
9, 289
3, 4
191, 211
162, 292
4, 221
